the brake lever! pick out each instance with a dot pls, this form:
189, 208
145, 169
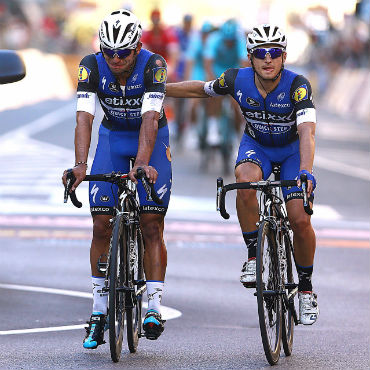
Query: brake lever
306, 203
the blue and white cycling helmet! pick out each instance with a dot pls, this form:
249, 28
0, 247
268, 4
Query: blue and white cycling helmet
120, 30
266, 34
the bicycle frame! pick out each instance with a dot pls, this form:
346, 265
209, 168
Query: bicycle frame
272, 209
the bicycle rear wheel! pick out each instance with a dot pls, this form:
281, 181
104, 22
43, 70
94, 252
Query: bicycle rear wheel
288, 318
116, 305
268, 295
135, 281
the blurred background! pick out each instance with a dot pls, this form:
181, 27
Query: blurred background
327, 39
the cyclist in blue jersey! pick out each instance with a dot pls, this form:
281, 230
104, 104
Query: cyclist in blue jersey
129, 83
280, 128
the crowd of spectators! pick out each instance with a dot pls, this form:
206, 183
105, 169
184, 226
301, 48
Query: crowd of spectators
53, 28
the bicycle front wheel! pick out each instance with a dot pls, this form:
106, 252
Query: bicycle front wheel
288, 306
116, 304
268, 294
135, 281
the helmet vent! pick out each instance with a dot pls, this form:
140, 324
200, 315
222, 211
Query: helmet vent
127, 30
258, 31
267, 30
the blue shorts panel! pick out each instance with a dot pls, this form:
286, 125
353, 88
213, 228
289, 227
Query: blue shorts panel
287, 156
113, 153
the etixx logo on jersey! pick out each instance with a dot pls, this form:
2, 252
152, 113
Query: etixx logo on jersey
83, 74
159, 75
301, 93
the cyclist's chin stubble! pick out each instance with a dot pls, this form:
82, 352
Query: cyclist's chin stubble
122, 67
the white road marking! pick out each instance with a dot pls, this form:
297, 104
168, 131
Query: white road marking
168, 313
342, 168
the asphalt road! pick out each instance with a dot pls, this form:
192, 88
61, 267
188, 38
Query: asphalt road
45, 277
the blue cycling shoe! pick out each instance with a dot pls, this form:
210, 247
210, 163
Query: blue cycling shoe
95, 331
153, 324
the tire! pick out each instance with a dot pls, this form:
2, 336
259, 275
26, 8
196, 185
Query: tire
288, 319
135, 273
267, 281
116, 301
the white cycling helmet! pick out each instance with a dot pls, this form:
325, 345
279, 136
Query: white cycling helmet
120, 30
266, 34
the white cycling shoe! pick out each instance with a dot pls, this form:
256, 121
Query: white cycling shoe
248, 276
308, 308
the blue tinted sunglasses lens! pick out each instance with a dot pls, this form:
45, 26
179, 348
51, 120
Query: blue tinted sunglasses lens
260, 53
121, 53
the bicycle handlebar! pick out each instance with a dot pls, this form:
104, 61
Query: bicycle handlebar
114, 177
260, 185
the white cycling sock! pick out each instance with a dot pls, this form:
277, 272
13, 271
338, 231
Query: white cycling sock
154, 291
100, 298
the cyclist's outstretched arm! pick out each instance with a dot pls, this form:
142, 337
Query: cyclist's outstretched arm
186, 89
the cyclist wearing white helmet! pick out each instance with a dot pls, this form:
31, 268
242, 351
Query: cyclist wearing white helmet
280, 116
129, 82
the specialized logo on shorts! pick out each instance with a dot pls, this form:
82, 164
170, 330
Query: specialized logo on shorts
301, 93
252, 102
83, 74
221, 81
160, 75
94, 191
162, 191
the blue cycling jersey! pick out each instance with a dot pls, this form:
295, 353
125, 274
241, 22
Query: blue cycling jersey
271, 121
120, 128
271, 134
122, 104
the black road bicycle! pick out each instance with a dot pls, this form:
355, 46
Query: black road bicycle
123, 266
275, 285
